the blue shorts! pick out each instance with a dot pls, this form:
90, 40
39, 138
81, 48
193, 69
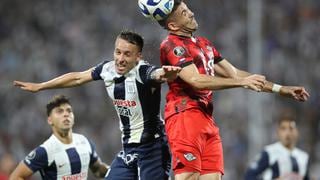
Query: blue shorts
145, 161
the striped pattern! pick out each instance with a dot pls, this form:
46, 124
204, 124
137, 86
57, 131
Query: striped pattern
56, 160
277, 161
136, 98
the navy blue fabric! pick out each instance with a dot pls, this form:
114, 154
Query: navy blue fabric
153, 159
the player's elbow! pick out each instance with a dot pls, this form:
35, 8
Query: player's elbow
14, 176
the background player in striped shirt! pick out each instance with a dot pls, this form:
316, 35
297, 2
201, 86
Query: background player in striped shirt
134, 86
192, 133
65, 155
281, 160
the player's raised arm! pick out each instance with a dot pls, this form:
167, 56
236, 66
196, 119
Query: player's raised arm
21, 172
99, 168
166, 73
64, 81
191, 75
226, 69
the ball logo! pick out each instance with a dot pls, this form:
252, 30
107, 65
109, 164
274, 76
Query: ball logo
178, 51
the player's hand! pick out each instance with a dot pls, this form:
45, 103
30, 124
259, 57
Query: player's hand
168, 73
27, 86
254, 82
296, 92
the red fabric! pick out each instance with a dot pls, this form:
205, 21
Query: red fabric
3, 176
181, 51
195, 143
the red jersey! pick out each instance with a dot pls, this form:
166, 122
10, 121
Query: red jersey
182, 51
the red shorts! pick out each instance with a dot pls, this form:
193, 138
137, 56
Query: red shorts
195, 143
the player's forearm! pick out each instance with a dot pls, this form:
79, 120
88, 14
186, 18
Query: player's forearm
267, 86
64, 81
16, 178
99, 169
214, 83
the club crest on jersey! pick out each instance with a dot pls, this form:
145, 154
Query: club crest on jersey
130, 87
189, 156
179, 51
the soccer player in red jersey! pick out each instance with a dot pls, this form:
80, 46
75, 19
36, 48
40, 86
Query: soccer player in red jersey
193, 135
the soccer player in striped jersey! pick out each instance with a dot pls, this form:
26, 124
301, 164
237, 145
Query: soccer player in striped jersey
134, 87
197, 152
65, 155
281, 160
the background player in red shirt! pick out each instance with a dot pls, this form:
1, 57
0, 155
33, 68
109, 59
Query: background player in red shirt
193, 135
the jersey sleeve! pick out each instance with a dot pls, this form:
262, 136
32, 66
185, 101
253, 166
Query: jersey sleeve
257, 167
175, 54
145, 72
97, 71
93, 155
37, 159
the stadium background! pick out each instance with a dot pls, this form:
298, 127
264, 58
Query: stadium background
42, 39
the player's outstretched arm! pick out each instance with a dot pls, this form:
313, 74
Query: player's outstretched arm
191, 75
226, 69
21, 172
166, 73
64, 81
99, 168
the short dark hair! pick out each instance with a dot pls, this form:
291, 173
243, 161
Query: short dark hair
56, 101
164, 22
286, 118
133, 38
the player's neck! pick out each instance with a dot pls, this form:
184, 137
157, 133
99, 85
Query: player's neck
181, 33
290, 147
64, 136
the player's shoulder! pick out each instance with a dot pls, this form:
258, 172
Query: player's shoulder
300, 152
273, 148
203, 39
80, 139
171, 41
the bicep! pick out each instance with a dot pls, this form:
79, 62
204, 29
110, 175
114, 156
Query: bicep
86, 76
188, 73
21, 172
225, 69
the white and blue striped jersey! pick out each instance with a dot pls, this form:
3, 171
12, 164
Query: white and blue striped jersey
56, 160
136, 98
278, 161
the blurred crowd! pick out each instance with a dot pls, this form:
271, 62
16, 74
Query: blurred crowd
42, 39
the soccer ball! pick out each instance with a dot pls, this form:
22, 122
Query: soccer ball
155, 9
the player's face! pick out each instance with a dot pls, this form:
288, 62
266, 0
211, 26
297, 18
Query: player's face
61, 118
288, 133
126, 56
183, 18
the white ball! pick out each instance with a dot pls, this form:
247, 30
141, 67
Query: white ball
155, 9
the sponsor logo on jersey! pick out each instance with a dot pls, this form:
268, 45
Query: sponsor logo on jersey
179, 51
124, 103
189, 156
80, 176
124, 111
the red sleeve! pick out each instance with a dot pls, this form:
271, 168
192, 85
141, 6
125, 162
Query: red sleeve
175, 53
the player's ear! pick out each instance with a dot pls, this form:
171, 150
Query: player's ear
49, 121
172, 26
